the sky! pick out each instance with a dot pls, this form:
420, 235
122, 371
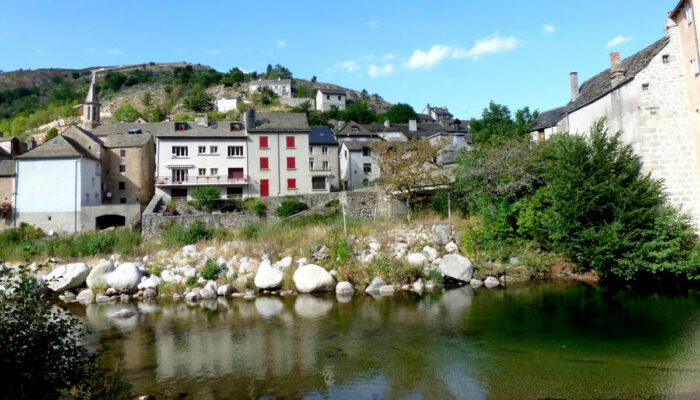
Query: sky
459, 54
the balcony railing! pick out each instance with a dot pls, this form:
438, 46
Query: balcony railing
201, 180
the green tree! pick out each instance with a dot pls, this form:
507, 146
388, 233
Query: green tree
497, 124
206, 197
146, 99
197, 99
264, 95
359, 112
234, 76
126, 113
113, 80
400, 113
52, 133
291, 206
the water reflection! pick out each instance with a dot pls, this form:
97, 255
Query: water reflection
534, 341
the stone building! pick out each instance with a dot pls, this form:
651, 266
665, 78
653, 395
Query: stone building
128, 168
323, 159
328, 99
436, 113
91, 108
281, 87
651, 97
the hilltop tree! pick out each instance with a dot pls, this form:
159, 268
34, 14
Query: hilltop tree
52, 133
359, 112
126, 112
234, 76
497, 124
264, 95
197, 99
401, 113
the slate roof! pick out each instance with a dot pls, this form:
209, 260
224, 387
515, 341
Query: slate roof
125, 127
423, 129
548, 118
7, 167
126, 140
58, 147
322, 135
283, 122
332, 91
600, 85
347, 130
84, 132
426, 117
356, 145
269, 82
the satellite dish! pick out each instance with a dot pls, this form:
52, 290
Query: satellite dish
109, 195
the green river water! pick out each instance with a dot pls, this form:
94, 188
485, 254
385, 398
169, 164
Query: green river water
546, 340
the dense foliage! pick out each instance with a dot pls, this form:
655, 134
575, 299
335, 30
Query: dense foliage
206, 197
581, 196
497, 124
291, 206
400, 113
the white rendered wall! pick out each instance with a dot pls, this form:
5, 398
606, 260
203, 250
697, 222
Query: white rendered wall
48, 185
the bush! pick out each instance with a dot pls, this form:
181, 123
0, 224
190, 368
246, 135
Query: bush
210, 270
206, 197
179, 235
259, 207
52, 133
291, 206
126, 112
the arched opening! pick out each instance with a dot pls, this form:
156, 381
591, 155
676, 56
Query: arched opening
108, 221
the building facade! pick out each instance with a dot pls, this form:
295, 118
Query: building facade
328, 99
323, 159
281, 87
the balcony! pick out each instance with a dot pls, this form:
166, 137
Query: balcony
216, 180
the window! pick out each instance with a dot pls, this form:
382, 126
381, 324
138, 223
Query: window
366, 152
696, 66
645, 86
324, 150
328, 97
264, 163
178, 193
122, 153
689, 14
318, 183
235, 151
263, 142
122, 185
214, 171
87, 198
92, 182
291, 163
202, 171
338, 98
213, 149
291, 183
179, 151
202, 150
665, 59
122, 200
180, 126
367, 168
325, 165
541, 134
355, 129
290, 142
235, 126
179, 175
122, 169
311, 150
311, 165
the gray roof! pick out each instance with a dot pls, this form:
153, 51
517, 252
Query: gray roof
126, 140
347, 130
548, 118
600, 85
7, 167
125, 127
268, 82
92, 92
356, 145
282, 122
322, 135
84, 132
7, 139
58, 147
332, 91
425, 117
423, 129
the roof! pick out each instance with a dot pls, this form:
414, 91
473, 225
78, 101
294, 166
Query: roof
7, 139
425, 117
332, 91
322, 135
548, 118
600, 85
125, 127
58, 147
348, 130
126, 140
678, 7
356, 145
284, 122
84, 132
7, 167
423, 129
261, 82
92, 92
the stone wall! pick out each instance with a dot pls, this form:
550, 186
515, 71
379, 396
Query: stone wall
295, 102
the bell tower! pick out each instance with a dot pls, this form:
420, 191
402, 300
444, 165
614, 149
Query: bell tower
91, 108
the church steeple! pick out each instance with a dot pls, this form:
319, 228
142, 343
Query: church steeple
91, 108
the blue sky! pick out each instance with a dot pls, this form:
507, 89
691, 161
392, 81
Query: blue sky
460, 54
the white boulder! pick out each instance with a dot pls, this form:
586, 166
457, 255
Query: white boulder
125, 278
312, 278
267, 276
85, 296
209, 291
374, 286
451, 247
344, 287
430, 253
284, 263
189, 249
416, 259
456, 267
225, 290
475, 283
66, 277
151, 282
491, 282
96, 277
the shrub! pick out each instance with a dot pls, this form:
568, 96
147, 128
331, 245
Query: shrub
206, 197
291, 206
210, 270
52, 133
257, 206
179, 235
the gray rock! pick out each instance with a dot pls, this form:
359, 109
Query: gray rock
85, 296
96, 277
451, 247
111, 291
125, 278
225, 290
344, 287
124, 313
189, 249
430, 253
284, 264
67, 297
456, 267
193, 295
209, 291
66, 277
416, 259
268, 277
312, 278
386, 290
151, 282
374, 286
375, 246
418, 286
150, 292
475, 283
491, 282
442, 233
101, 298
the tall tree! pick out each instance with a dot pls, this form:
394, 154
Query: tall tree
400, 113
497, 124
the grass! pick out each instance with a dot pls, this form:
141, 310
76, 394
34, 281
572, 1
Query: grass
210, 270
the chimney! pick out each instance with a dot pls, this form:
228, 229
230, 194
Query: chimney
31, 143
386, 123
2, 134
167, 117
412, 126
250, 118
574, 85
617, 73
202, 119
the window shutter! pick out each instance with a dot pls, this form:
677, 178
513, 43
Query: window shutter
291, 183
263, 163
290, 141
263, 142
291, 163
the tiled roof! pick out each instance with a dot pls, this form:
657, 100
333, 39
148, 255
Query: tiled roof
332, 91
548, 118
125, 127
423, 129
126, 140
356, 145
269, 82
322, 135
58, 147
348, 130
284, 122
600, 85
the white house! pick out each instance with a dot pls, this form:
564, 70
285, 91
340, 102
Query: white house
327, 99
281, 87
358, 167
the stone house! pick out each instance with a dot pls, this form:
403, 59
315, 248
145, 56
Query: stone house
278, 153
323, 159
357, 164
436, 113
281, 87
128, 168
328, 99
651, 97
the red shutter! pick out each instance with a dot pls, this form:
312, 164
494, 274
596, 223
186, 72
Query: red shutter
291, 163
263, 142
263, 163
291, 183
290, 142
264, 187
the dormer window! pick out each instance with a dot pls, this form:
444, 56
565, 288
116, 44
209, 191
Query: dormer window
180, 126
665, 59
355, 129
235, 126
689, 14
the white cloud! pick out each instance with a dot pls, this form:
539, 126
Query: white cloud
548, 29
377, 71
388, 57
213, 52
280, 43
349, 66
114, 52
493, 44
618, 40
422, 59
374, 22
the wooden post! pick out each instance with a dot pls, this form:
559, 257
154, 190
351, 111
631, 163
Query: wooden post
345, 224
449, 211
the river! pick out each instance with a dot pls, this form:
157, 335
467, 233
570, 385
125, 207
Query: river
554, 339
